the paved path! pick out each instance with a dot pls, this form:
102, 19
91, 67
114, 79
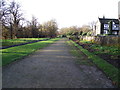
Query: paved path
53, 67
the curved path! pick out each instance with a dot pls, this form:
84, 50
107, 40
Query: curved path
53, 67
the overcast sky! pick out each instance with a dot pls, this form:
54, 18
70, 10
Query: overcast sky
69, 12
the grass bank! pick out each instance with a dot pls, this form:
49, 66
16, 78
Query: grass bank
9, 42
14, 53
112, 72
82, 59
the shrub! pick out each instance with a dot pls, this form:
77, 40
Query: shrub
84, 33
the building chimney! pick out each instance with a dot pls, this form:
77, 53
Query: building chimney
103, 16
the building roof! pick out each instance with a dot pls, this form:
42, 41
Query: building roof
106, 20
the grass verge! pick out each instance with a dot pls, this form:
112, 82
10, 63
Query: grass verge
14, 53
112, 72
9, 42
81, 57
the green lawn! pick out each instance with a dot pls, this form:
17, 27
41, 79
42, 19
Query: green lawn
111, 71
8, 42
14, 53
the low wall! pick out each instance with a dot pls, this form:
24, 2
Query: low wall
103, 40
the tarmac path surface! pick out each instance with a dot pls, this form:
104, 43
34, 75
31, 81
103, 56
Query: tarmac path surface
53, 67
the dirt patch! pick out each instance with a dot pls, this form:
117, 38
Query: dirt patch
112, 59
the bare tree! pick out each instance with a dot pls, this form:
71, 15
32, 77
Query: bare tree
92, 24
2, 4
3, 15
52, 24
11, 16
34, 24
15, 16
50, 28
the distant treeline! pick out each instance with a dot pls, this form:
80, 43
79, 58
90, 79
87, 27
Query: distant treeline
14, 25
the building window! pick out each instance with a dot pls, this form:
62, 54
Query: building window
105, 32
114, 32
106, 26
115, 27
